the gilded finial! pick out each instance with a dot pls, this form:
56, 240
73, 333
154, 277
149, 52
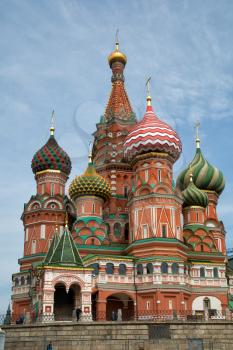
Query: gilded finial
90, 152
197, 126
148, 97
190, 173
52, 127
66, 220
117, 40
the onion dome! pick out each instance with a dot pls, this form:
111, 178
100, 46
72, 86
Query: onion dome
205, 176
193, 196
152, 135
51, 157
117, 56
90, 184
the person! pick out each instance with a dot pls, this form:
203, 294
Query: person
49, 346
78, 313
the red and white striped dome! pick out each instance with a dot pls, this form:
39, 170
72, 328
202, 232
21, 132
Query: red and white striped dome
152, 135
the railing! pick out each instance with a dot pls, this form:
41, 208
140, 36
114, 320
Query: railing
126, 315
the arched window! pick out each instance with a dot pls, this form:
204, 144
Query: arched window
139, 269
185, 269
125, 191
16, 282
122, 269
93, 208
108, 228
206, 303
117, 229
215, 271
22, 281
28, 279
126, 232
175, 269
164, 267
149, 268
95, 268
202, 272
109, 268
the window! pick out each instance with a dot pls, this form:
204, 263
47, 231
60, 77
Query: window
164, 231
82, 209
126, 232
22, 281
26, 234
148, 305
108, 228
215, 272
28, 279
159, 175
206, 304
122, 269
145, 231
117, 229
33, 248
164, 268
202, 272
139, 269
43, 188
175, 269
95, 268
170, 304
16, 282
52, 189
149, 268
197, 216
93, 208
109, 269
185, 269
125, 192
42, 232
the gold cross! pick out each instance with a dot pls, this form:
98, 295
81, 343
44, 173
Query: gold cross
148, 86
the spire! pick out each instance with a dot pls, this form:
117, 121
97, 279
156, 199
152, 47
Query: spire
65, 252
148, 96
197, 126
90, 153
52, 127
52, 247
118, 105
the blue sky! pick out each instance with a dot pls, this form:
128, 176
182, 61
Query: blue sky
54, 56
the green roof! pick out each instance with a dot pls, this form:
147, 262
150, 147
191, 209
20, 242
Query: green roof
65, 252
230, 305
51, 248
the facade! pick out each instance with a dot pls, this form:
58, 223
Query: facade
127, 242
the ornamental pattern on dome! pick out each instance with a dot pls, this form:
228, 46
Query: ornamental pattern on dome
194, 197
90, 184
152, 135
205, 176
51, 157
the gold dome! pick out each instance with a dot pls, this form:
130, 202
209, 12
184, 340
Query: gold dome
117, 55
90, 184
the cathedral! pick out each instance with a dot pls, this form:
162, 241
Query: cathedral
124, 241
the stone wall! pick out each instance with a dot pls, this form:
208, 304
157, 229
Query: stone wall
121, 336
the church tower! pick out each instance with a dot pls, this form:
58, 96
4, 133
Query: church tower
46, 210
108, 156
152, 147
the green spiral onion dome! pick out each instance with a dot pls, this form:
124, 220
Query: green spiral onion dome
51, 157
90, 184
193, 196
205, 175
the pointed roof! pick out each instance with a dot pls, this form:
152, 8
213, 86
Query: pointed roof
65, 252
52, 247
118, 105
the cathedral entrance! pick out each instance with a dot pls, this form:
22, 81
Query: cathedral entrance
65, 303
120, 307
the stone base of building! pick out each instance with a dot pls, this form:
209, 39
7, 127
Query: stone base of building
122, 336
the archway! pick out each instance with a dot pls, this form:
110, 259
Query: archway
65, 303
120, 307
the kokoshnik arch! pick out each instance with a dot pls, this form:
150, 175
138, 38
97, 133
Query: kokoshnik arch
133, 240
